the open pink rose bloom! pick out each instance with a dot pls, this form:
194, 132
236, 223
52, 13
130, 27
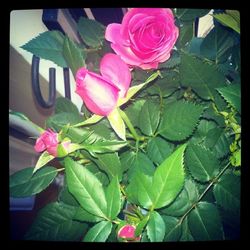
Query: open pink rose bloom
128, 232
145, 37
48, 140
100, 93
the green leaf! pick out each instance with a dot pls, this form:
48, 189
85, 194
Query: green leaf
54, 223
179, 120
201, 162
66, 197
217, 141
173, 228
216, 44
230, 19
227, 192
73, 55
202, 130
78, 135
140, 163
113, 197
91, 32
117, 124
149, 117
59, 120
159, 149
83, 215
48, 45
168, 179
205, 223
104, 146
140, 227
141, 184
186, 34
93, 119
99, 233
23, 183
133, 111
65, 105
172, 62
86, 188
202, 77
110, 164
232, 94
187, 15
155, 227
44, 158
179, 206
133, 90
99, 174
186, 234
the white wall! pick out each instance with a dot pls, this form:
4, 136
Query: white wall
25, 25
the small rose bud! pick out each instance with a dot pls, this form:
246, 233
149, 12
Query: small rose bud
48, 140
128, 232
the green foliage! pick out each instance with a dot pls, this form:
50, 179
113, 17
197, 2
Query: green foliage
202, 77
202, 164
173, 228
231, 18
91, 32
179, 120
99, 232
44, 158
232, 94
155, 227
86, 188
227, 192
24, 183
65, 105
55, 223
149, 117
48, 45
159, 149
61, 119
113, 197
216, 44
73, 55
168, 179
110, 163
204, 222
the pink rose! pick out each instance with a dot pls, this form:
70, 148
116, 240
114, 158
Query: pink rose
100, 93
48, 140
128, 232
145, 37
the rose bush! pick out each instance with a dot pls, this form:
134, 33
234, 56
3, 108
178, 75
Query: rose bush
145, 37
154, 153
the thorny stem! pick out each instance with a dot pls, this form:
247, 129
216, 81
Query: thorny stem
204, 192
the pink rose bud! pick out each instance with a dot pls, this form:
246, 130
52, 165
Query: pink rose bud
128, 232
145, 37
100, 93
48, 140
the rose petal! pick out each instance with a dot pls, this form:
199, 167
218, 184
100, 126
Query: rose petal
117, 71
99, 95
39, 146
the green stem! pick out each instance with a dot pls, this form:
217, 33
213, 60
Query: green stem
130, 126
60, 169
204, 192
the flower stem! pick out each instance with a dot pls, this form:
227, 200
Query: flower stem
204, 192
130, 126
